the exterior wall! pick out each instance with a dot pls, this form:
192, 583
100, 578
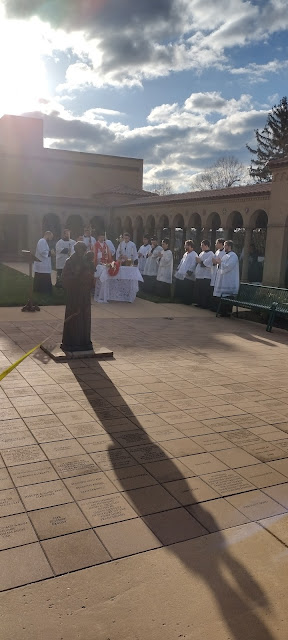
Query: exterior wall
277, 232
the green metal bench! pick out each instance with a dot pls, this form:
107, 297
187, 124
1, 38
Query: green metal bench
261, 298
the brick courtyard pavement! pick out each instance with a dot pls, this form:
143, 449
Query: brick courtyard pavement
175, 451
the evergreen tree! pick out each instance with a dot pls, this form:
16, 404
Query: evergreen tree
272, 142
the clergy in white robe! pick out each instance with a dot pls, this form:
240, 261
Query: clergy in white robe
227, 281
185, 274
220, 251
43, 267
110, 245
203, 275
64, 249
151, 266
127, 250
165, 271
89, 239
142, 254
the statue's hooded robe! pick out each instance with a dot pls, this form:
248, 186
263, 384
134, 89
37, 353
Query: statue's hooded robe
77, 279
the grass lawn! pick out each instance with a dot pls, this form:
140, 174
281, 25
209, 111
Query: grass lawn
15, 288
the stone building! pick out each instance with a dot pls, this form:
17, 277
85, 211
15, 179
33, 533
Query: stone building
44, 189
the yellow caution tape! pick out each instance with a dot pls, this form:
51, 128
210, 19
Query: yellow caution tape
15, 364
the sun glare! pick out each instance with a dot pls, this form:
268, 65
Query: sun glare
22, 70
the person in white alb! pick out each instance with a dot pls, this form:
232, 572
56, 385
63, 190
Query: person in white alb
227, 281
142, 253
220, 251
185, 274
151, 266
43, 267
165, 271
64, 249
127, 250
203, 275
110, 246
88, 239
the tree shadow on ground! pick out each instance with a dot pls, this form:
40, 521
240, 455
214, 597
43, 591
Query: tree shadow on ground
237, 594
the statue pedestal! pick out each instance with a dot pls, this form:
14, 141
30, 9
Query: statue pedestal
53, 349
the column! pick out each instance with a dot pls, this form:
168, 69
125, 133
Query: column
135, 236
275, 255
245, 262
172, 239
159, 235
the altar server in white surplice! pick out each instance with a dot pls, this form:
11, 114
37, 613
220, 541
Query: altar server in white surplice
227, 281
64, 249
142, 253
151, 266
203, 275
219, 253
43, 267
185, 274
165, 271
127, 250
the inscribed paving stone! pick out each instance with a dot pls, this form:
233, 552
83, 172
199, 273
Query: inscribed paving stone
8, 414
90, 486
98, 443
130, 478
113, 459
10, 503
261, 475
29, 401
248, 421
12, 426
21, 455
158, 407
75, 417
27, 412
23, 565
58, 521
227, 482
181, 447
218, 514
212, 442
116, 426
269, 433
174, 526
5, 480
166, 470
186, 403
264, 452
282, 444
149, 421
278, 493
44, 494
18, 439
278, 526
42, 422
127, 538
272, 418
16, 531
51, 434
86, 429
134, 410
203, 463
64, 407
149, 453
193, 429
107, 509
235, 457
150, 500
132, 438
242, 437
164, 433
74, 466
62, 449
256, 505
218, 424
75, 551
32, 473
191, 490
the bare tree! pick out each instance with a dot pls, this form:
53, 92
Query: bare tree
225, 172
162, 188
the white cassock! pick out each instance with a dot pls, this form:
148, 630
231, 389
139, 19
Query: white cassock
42, 253
165, 269
152, 263
142, 255
127, 250
203, 269
227, 281
89, 241
215, 268
62, 257
188, 263
111, 247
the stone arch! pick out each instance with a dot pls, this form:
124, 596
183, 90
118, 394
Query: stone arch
257, 245
76, 226
51, 222
177, 237
235, 231
128, 226
138, 231
212, 225
163, 227
97, 224
194, 230
150, 225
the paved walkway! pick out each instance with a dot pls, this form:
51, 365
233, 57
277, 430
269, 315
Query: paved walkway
165, 470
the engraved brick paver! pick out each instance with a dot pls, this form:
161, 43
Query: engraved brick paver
173, 439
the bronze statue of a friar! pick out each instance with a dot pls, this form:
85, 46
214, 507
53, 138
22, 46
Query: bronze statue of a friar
77, 279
